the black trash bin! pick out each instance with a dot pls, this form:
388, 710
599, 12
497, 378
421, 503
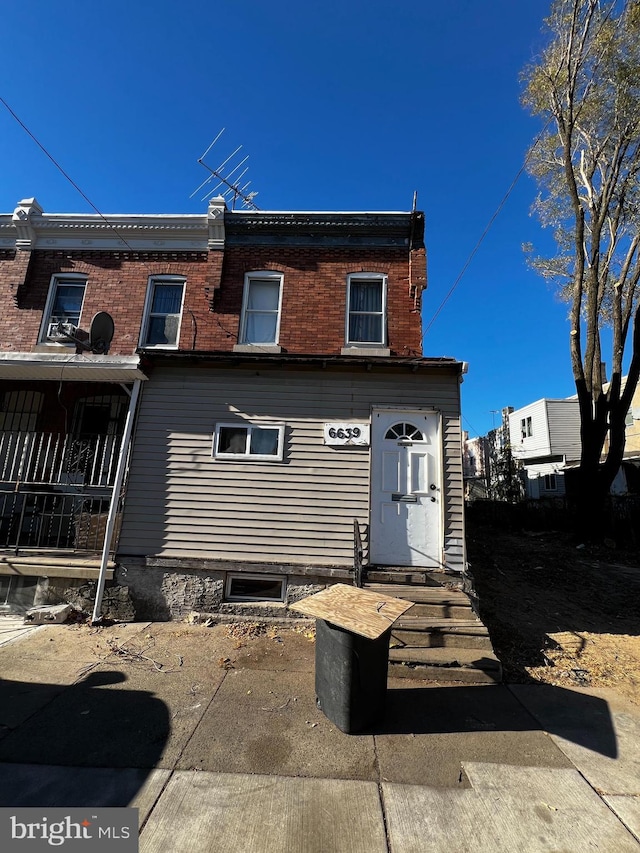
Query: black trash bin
351, 676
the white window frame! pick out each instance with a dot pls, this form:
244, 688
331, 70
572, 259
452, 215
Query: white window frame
148, 302
57, 279
548, 480
367, 276
247, 577
260, 275
526, 427
246, 456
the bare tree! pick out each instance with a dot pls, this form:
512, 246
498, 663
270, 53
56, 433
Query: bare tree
586, 87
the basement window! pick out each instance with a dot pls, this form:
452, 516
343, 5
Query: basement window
255, 588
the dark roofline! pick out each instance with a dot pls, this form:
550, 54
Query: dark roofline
317, 228
233, 359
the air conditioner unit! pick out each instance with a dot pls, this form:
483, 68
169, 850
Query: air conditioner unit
61, 331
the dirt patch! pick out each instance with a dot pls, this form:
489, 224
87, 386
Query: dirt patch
558, 613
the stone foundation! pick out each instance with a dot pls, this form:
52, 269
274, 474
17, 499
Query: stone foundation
161, 594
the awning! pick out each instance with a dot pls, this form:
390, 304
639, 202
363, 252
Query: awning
70, 368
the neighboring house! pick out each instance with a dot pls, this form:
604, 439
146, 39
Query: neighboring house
545, 436
476, 466
272, 361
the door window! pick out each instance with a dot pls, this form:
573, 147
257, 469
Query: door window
404, 430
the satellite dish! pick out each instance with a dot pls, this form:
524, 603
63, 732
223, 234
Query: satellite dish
101, 332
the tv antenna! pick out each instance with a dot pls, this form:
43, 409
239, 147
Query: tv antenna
225, 174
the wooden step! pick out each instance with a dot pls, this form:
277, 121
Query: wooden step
448, 636
421, 631
414, 576
442, 611
421, 594
425, 623
471, 666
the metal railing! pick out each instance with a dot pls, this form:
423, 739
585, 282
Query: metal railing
55, 489
358, 554
30, 519
55, 458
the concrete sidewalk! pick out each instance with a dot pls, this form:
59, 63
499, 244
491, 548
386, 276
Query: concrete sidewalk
217, 739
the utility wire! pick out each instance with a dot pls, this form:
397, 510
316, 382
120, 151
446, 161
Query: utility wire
65, 174
488, 227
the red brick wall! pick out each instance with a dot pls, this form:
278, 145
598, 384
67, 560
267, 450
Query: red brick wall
315, 294
313, 305
117, 283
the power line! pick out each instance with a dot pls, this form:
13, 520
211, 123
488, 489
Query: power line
487, 228
470, 425
65, 174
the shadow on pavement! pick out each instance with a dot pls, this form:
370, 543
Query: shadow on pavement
101, 743
582, 718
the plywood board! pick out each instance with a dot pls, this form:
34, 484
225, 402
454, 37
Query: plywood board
366, 613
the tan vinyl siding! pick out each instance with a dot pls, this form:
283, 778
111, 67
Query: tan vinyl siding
183, 503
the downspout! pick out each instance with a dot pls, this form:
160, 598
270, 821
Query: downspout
113, 508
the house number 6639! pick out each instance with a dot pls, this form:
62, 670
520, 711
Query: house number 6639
345, 432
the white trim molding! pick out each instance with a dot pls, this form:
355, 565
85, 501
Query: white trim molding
28, 228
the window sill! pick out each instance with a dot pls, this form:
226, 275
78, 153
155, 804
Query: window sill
257, 348
151, 347
54, 346
365, 350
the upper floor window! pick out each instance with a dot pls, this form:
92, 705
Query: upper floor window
163, 312
526, 428
260, 321
366, 311
64, 306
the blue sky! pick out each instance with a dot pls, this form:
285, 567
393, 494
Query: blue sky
349, 105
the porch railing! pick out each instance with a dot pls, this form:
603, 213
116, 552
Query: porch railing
52, 521
55, 489
58, 459
358, 554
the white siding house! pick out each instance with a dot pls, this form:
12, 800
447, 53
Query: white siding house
545, 435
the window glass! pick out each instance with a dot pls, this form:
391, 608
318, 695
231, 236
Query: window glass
163, 319
64, 306
249, 442
263, 295
366, 311
262, 304
241, 588
162, 330
67, 303
232, 440
264, 441
167, 298
404, 431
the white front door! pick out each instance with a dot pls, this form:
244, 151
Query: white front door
406, 493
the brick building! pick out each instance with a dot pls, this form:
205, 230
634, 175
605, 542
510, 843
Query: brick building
271, 364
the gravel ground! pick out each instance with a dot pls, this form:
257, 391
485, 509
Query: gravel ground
558, 613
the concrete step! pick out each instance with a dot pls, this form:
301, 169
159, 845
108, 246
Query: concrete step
471, 666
